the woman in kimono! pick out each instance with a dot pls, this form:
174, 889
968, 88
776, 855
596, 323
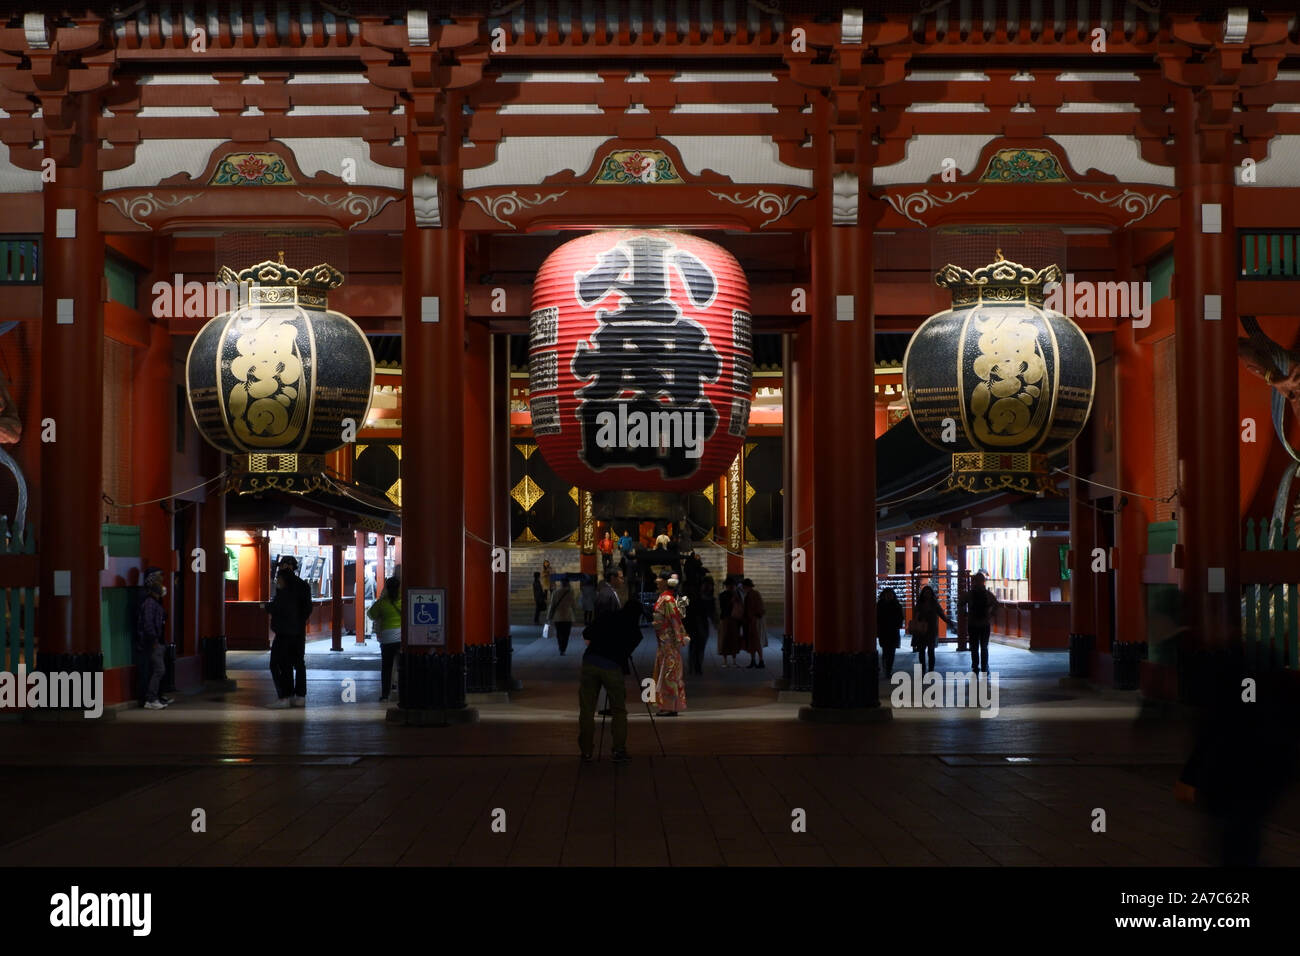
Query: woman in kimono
670, 683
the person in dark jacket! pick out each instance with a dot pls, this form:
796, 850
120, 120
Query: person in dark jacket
290, 611
151, 639
889, 621
607, 600
610, 639
539, 597
979, 604
925, 627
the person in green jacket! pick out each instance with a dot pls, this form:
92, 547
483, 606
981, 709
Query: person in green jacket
386, 612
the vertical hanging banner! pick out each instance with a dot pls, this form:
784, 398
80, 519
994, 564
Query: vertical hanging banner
640, 361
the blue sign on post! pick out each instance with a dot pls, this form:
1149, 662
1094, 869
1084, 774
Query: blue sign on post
425, 625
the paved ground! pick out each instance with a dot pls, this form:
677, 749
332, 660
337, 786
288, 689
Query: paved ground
335, 783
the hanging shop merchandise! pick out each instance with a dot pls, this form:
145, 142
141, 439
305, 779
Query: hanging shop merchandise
998, 380
640, 361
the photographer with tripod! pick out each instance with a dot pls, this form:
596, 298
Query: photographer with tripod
611, 639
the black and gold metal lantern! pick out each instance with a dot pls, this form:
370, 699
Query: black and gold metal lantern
998, 380
276, 382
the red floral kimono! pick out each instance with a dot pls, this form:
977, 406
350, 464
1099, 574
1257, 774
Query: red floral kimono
670, 684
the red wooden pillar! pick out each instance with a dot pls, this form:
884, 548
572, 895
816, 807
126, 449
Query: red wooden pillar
433, 402
844, 656
1083, 538
212, 539
359, 588
961, 615
336, 591
803, 457
1135, 467
72, 381
1205, 323
787, 481
381, 569
478, 546
152, 425
501, 508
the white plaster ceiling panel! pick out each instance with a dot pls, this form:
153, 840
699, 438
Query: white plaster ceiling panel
724, 108
327, 154
746, 159
158, 159
14, 179
1282, 167
550, 109
558, 76
1120, 156
925, 156
737, 76
527, 160
948, 76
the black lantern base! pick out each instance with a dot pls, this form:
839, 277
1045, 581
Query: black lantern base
987, 472
255, 473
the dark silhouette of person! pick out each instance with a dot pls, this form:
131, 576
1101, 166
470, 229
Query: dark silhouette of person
1245, 751
889, 621
926, 614
979, 604
539, 597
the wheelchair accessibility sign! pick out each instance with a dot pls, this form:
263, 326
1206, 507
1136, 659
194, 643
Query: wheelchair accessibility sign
427, 621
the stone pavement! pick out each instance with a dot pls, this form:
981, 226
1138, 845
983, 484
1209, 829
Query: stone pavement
334, 783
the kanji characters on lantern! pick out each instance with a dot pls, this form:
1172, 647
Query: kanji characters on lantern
640, 360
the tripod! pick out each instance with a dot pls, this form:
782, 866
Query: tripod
637, 677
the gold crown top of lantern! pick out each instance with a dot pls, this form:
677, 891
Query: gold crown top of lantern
278, 381
998, 380
274, 282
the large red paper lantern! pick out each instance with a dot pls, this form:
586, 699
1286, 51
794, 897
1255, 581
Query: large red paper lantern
640, 361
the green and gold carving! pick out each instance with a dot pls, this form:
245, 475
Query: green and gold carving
625, 167
1023, 166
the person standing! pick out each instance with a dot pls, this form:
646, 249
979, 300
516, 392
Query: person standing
548, 579
669, 682
151, 639
729, 623
587, 590
889, 621
696, 623
925, 627
607, 598
709, 597
386, 612
979, 605
606, 547
610, 640
560, 613
755, 623
290, 610
539, 597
